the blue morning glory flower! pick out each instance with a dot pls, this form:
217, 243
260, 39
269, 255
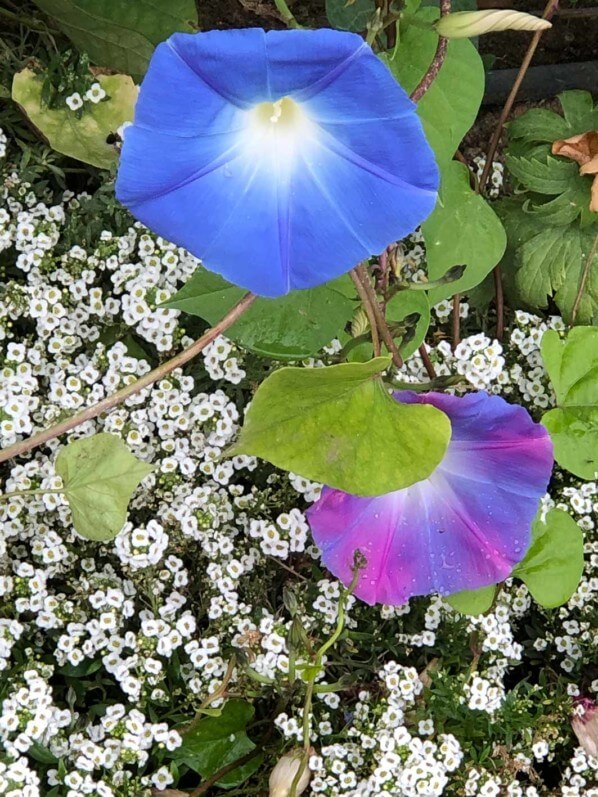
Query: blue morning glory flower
281, 159
466, 526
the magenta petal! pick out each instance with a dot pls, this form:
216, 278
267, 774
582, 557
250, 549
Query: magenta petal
464, 527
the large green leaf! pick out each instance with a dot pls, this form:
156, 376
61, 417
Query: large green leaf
120, 34
572, 365
289, 328
450, 106
350, 14
339, 425
216, 742
84, 138
99, 475
553, 564
544, 261
462, 230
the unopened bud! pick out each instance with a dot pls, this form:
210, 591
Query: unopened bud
283, 774
585, 724
463, 24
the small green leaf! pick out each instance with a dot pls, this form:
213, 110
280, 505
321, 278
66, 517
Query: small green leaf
289, 328
553, 565
216, 742
572, 365
99, 475
41, 754
340, 426
473, 601
120, 34
84, 138
450, 106
410, 303
462, 230
350, 14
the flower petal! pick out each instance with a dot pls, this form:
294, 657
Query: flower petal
464, 527
274, 207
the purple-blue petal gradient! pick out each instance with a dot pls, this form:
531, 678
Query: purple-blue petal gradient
269, 209
464, 527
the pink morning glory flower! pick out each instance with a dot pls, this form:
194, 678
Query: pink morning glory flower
464, 527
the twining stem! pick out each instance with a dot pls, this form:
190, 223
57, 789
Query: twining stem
584, 278
215, 695
309, 691
121, 395
383, 329
437, 61
367, 305
549, 10
286, 14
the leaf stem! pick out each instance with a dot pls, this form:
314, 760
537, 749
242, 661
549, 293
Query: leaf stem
37, 491
286, 14
456, 320
129, 390
584, 278
437, 61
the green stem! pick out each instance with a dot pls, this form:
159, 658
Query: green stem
286, 14
19, 19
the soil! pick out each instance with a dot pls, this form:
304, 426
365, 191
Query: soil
573, 37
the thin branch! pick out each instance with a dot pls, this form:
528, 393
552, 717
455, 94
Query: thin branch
145, 381
584, 278
367, 304
380, 319
437, 61
551, 6
456, 320
499, 301
549, 10
428, 365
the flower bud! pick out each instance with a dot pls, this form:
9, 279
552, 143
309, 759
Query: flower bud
283, 774
463, 24
585, 725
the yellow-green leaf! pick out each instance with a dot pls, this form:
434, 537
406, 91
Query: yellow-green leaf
99, 475
84, 138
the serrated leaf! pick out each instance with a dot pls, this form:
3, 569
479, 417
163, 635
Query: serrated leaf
350, 14
553, 565
543, 262
530, 160
572, 366
84, 138
216, 742
99, 475
539, 124
450, 106
473, 601
339, 425
288, 328
120, 34
462, 230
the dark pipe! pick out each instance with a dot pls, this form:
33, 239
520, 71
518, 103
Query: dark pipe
541, 82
